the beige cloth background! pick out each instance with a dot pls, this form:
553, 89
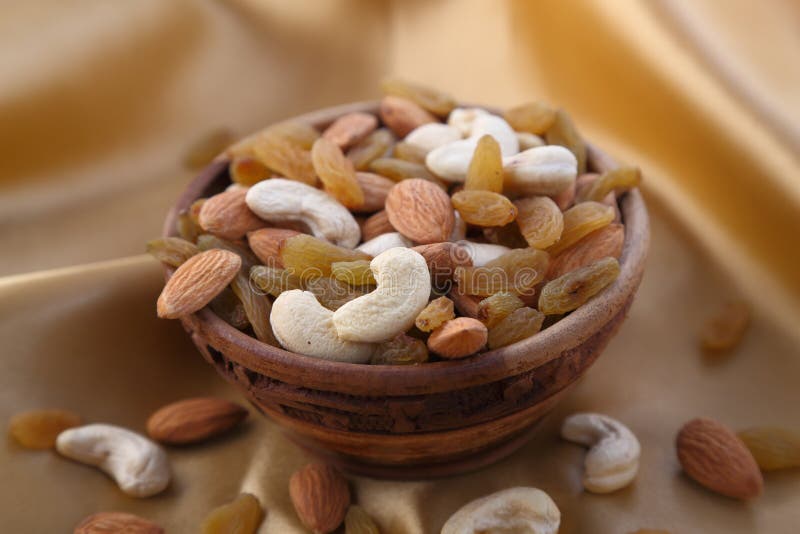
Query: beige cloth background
100, 100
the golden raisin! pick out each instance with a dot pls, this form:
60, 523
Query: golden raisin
257, 307
619, 179
358, 521
230, 309
485, 171
517, 271
337, 173
171, 250
605, 242
563, 132
38, 429
579, 221
242, 516
296, 132
204, 150
484, 208
497, 307
195, 208
247, 171
308, 257
186, 227
402, 350
534, 117
773, 447
434, 314
374, 146
332, 293
723, 331
540, 221
409, 152
519, 324
355, 273
274, 281
573, 289
397, 170
433, 100
286, 158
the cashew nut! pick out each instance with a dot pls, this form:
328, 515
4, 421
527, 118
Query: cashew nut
384, 242
528, 140
613, 457
542, 170
518, 510
303, 325
432, 135
483, 253
138, 465
279, 200
403, 287
463, 118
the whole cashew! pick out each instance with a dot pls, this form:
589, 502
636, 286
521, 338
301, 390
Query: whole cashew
542, 170
483, 253
138, 465
279, 200
303, 325
432, 135
384, 242
403, 287
518, 510
613, 457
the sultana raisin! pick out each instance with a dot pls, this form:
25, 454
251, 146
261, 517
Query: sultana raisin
573, 289
358, 521
485, 171
508, 235
230, 309
332, 293
397, 170
355, 273
350, 128
257, 307
433, 100
38, 429
726, 328
286, 158
195, 208
308, 257
605, 242
520, 324
434, 314
408, 152
563, 132
274, 281
186, 227
205, 149
336, 172
299, 133
247, 171
497, 307
773, 447
617, 180
579, 221
242, 516
533, 117
171, 250
540, 221
266, 243
517, 271
484, 208
402, 350
374, 146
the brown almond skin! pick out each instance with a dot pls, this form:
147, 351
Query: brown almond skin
605, 242
266, 244
467, 305
458, 338
116, 523
715, 457
421, 211
226, 215
375, 188
351, 128
196, 282
442, 259
402, 115
194, 420
376, 225
320, 496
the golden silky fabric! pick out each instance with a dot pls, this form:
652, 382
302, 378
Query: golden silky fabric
100, 100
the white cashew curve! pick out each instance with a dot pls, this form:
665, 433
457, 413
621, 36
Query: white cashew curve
384, 242
542, 170
279, 200
403, 288
139, 466
303, 325
432, 135
514, 510
613, 457
483, 253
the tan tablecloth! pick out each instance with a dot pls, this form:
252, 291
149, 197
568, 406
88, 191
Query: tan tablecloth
99, 101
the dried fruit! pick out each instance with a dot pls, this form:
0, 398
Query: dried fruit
725, 330
375, 188
485, 172
274, 281
248, 170
402, 115
563, 132
517, 271
420, 211
442, 259
716, 458
320, 497
116, 522
402, 350
194, 210
205, 149
350, 128
296, 132
38, 429
458, 338
398, 170
171, 250
187, 228
507, 236
308, 257
616, 180
520, 324
376, 225
257, 307
372, 147
408, 152
534, 117
575, 288
230, 309
194, 420
602, 243
579, 221
497, 307
540, 221
241, 516
435, 314
437, 102
266, 244
773, 447
358, 521
286, 158
337, 173
226, 215
484, 208
332, 293
355, 273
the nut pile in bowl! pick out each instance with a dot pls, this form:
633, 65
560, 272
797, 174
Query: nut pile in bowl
430, 231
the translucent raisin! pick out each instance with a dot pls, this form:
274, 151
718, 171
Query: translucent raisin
573, 289
195, 208
563, 132
579, 221
38, 429
485, 171
540, 221
773, 447
205, 149
484, 208
433, 100
402, 350
519, 324
242, 516
247, 171
409, 152
355, 273
374, 146
274, 281
618, 180
266, 244
517, 271
337, 173
358, 521
286, 158
497, 307
508, 235
296, 132
726, 328
397, 170
186, 227
332, 293
435, 314
605, 242
257, 307
308, 257
230, 309
534, 117
171, 250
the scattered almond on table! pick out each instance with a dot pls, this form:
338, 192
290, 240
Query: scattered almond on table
120, 522
194, 420
320, 496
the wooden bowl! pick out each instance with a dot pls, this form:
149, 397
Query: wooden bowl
429, 420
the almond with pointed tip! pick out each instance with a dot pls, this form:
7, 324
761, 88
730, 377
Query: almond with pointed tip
402, 115
458, 338
194, 420
196, 282
116, 523
226, 215
350, 128
420, 210
266, 244
320, 496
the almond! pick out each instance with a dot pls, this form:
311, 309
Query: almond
716, 457
116, 523
266, 244
467, 305
351, 128
402, 115
195, 283
320, 497
421, 211
226, 215
605, 242
458, 338
375, 188
376, 225
442, 259
193, 420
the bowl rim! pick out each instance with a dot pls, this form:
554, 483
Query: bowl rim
433, 377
